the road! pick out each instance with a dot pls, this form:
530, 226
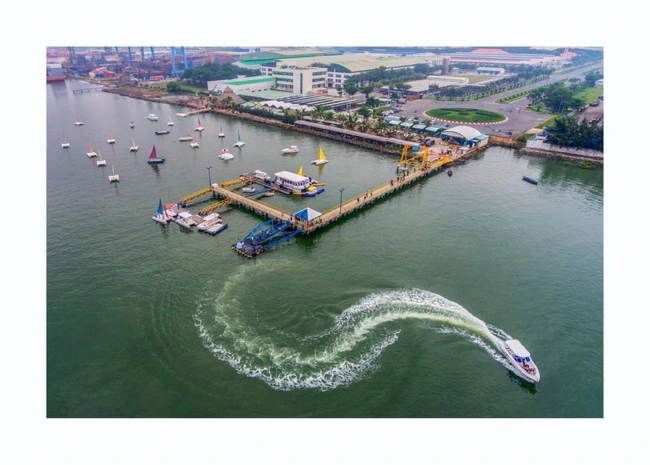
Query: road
520, 119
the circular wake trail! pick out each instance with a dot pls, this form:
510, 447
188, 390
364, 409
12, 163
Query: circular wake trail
338, 356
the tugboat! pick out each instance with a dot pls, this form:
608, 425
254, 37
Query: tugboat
450, 172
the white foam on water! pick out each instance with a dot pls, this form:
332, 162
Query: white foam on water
344, 353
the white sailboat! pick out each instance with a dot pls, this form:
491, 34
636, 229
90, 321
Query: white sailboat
100, 161
78, 123
221, 134
91, 153
194, 144
65, 144
199, 127
114, 177
133, 148
239, 142
110, 139
185, 138
161, 215
321, 157
170, 123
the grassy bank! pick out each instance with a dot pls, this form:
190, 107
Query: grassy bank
466, 115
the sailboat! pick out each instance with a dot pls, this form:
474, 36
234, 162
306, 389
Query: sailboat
199, 127
300, 171
161, 215
321, 157
114, 177
194, 144
221, 134
185, 138
110, 139
132, 124
91, 153
133, 148
239, 142
170, 123
153, 157
78, 123
101, 162
64, 144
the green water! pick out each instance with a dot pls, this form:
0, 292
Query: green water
393, 312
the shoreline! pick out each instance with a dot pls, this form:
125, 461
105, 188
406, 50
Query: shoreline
493, 141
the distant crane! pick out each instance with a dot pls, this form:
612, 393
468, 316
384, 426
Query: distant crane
176, 71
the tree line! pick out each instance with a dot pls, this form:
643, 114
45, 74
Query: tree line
568, 132
215, 72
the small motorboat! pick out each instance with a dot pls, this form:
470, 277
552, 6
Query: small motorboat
225, 155
78, 123
185, 220
520, 358
152, 117
170, 123
160, 133
269, 194
530, 180
449, 173
216, 228
292, 149
248, 190
65, 145
185, 138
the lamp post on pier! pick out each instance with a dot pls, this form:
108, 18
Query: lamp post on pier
341, 201
209, 178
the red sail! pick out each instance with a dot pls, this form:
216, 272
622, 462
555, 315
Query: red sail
152, 155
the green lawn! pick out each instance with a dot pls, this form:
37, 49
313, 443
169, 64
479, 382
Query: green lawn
465, 115
540, 108
186, 88
589, 94
474, 78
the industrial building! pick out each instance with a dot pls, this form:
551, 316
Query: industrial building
498, 56
340, 67
246, 84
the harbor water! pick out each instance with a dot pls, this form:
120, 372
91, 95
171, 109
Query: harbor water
395, 311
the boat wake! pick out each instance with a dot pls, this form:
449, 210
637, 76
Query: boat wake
338, 356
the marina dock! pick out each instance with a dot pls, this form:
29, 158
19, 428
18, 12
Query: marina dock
281, 225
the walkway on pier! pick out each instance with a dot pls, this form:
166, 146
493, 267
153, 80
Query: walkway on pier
333, 214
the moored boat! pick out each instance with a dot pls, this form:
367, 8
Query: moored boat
239, 143
200, 127
152, 117
100, 161
292, 149
530, 180
161, 215
185, 138
114, 177
185, 220
520, 358
450, 172
153, 157
221, 134
78, 123
226, 155
321, 157
160, 133
133, 148
91, 153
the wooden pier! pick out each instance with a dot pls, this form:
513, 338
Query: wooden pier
87, 90
335, 213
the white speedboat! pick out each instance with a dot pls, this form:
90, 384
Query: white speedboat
226, 155
248, 190
520, 358
209, 221
152, 117
185, 220
65, 145
185, 138
292, 149
170, 123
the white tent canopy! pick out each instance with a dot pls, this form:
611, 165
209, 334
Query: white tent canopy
307, 214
